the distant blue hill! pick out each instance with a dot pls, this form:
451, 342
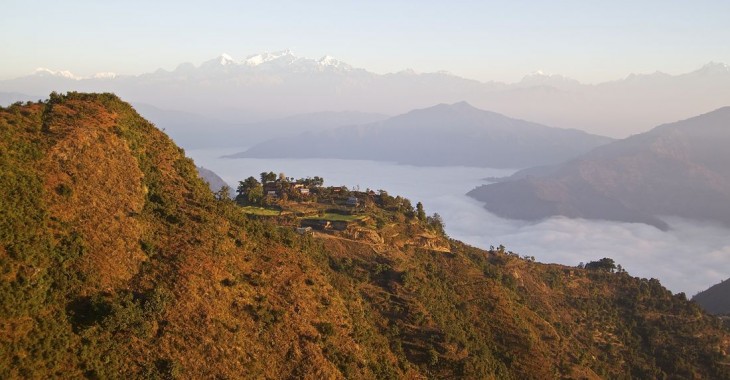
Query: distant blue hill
442, 135
678, 169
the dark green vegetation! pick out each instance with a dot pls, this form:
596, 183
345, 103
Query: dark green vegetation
678, 169
116, 261
716, 299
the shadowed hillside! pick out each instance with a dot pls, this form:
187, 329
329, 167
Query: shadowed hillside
215, 182
716, 299
679, 169
118, 261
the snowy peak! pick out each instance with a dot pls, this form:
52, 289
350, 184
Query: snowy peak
655, 75
330, 61
185, 67
225, 59
713, 68
269, 62
540, 78
44, 72
105, 75
285, 59
220, 61
258, 59
408, 72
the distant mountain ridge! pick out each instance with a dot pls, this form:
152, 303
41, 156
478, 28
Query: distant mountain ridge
442, 135
7, 98
678, 169
215, 182
716, 299
280, 84
193, 131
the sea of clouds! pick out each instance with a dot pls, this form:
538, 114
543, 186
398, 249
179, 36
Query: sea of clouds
688, 258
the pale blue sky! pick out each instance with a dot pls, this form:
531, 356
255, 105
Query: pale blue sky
591, 41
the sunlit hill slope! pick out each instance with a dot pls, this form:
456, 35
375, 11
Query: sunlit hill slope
117, 261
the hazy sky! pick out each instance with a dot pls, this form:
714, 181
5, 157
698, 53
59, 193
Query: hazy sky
588, 40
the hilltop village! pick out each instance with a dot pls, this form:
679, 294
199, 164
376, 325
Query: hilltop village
307, 207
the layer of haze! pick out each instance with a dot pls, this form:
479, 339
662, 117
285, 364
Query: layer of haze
485, 40
689, 258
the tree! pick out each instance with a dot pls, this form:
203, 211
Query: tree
223, 194
255, 195
266, 177
436, 222
420, 213
249, 189
605, 264
406, 208
387, 202
246, 185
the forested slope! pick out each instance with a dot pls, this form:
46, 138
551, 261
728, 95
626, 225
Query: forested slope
117, 261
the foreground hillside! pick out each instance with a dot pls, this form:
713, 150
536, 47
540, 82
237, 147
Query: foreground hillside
679, 169
117, 261
456, 135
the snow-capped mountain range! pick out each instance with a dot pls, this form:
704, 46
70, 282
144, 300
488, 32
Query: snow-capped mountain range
279, 59
279, 84
284, 59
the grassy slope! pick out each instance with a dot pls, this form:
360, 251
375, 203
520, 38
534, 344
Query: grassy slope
337, 217
116, 261
261, 211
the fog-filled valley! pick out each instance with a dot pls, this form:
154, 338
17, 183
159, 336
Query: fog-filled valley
688, 258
